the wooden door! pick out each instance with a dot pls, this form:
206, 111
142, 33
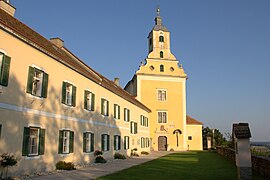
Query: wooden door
162, 143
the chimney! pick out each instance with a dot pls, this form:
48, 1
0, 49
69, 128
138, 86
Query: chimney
116, 81
6, 6
57, 41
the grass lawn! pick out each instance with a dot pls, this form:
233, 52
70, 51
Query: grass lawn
184, 165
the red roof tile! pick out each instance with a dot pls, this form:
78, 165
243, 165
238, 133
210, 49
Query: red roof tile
191, 121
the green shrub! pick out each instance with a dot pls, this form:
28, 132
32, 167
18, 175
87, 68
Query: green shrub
145, 152
98, 153
62, 165
6, 161
119, 156
100, 159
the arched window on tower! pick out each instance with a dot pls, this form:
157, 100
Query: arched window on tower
161, 54
161, 68
161, 38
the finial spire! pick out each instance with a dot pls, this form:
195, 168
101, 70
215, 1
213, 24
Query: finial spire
158, 10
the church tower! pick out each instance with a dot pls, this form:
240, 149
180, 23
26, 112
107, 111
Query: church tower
160, 83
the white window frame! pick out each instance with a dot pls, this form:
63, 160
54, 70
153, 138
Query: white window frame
66, 141
31, 144
126, 114
89, 100
162, 121
162, 95
126, 142
117, 115
105, 106
117, 139
69, 94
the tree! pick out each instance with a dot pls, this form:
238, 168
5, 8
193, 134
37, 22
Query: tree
217, 138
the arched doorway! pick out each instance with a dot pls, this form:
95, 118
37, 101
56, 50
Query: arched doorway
162, 143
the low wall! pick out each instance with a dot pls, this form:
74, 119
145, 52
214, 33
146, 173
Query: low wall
260, 165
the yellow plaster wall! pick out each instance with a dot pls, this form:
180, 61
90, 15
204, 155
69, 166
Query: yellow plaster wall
51, 114
196, 132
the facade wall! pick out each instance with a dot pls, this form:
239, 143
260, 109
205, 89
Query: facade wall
19, 109
194, 136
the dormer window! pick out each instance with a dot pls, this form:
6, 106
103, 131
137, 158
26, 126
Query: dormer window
161, 38
161, 54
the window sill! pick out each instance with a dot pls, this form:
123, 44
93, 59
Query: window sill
88, 153
32, 157
64, 154
35, 97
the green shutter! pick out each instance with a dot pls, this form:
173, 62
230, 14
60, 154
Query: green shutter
141, 119
64, 89
93, 102
128, 142
135, 128
141, 142
74, 96
108, 142
31, 72
114, 142
128, 114
119, 142
131, 128
118, 112
85, 99
102, 142
26, 136
41, 149
71, 141
92, 142
114, 115
5, 70
84, 142
107, 109
102, 107
60, 145
125, 111
44, 85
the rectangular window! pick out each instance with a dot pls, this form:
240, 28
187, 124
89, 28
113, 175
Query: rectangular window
66, 142
33, 141
89, 100
0, 130
37, 83
126, 142
88, 142
104, 107
142, 142
105, 142
126, 115
116, 111
189, 137
144, 121
162, 95
133, 127
4, 69
147, 143
68, 94
117, 142
162, 117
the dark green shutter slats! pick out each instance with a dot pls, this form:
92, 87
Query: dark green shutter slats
102, 142
60, 145
25, 146
74, 96
108, 142
118, 112
31, 72
5, 70
41, 149
135, 127
64, 88
85, 99
92, 142
119, 142
114, 115
107, 108
128, 115
102, 107
45, 85
125, 111
114, 142
93, 102
71, 141
84, 142
131, 127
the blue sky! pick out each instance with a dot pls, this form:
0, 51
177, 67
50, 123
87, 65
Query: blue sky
224, 46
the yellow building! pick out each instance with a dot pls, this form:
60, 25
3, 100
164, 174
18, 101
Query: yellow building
160, 83
53, 107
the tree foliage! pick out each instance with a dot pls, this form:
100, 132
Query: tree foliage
218, 137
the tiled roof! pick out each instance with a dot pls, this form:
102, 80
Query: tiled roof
191, 121
28, 35
241, 130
